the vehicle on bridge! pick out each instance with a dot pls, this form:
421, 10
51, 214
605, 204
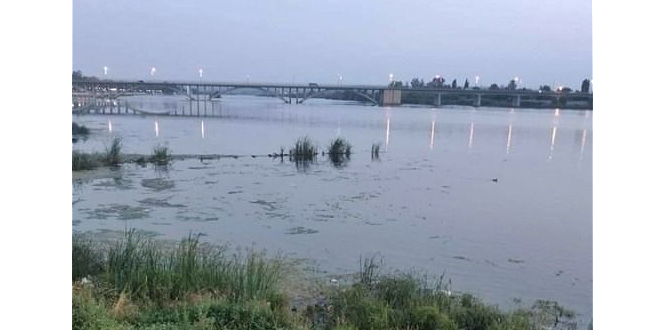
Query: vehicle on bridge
313, 85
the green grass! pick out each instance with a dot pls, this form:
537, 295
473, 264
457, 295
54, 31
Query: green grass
161, 155
87, 259
113, 155
138, 283
84, 161
409, 301
147, 270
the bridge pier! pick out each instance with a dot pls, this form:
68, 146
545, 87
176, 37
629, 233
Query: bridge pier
477, 101
516, 101
438, 100
391, 97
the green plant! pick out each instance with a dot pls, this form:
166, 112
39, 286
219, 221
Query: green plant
83, 161
339, 151
303, 150
161, 155
87, 259
114, 152
79, 129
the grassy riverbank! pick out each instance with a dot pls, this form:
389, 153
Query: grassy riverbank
139, 283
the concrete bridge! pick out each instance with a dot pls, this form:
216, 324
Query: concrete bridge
299, 93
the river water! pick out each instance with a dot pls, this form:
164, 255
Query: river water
497, 199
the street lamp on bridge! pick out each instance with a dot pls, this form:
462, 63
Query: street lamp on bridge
105, 71
153, 71
200, 73
340, 79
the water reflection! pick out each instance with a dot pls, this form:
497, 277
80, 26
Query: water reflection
110, 127
509, 139
553, 133
156, 127
433, 134
339, 160
202, 130
471, 136
302, 165
387, 132
338, 131
583, 143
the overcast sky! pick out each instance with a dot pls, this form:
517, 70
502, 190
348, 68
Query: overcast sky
541, 42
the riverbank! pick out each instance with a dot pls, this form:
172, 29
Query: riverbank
136, 282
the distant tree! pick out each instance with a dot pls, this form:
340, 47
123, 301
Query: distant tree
453, 84
494, 87
585, 86
396, 84
437, 82
466, 86
417, 83
512, 85
78, 75
545, 88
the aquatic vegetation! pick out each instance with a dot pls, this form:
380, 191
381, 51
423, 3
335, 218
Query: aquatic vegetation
303, 150
339, 151
375, 151
84, 161
161, 155
114, 153
79, 129
340, 146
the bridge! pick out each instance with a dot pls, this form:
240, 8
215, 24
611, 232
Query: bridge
299, 93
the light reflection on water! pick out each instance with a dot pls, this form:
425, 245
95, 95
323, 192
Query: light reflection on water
527, 236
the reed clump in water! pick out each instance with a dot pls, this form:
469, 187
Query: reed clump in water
79, 129
84, 161
114, 152
304, 150
375, 151
339, 151
161, 155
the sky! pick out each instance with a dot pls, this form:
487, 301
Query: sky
300, 41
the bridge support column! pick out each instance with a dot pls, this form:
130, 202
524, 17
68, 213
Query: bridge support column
516, 101
477, 101
438, 100
391, 97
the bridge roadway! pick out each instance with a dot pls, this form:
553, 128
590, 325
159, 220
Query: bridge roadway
376, 94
